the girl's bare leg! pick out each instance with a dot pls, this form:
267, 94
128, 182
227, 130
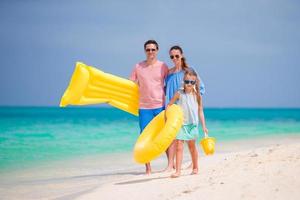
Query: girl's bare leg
194, 154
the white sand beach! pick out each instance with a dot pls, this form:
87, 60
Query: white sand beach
264, 168
268, 172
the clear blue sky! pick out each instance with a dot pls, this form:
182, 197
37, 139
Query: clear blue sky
247, 52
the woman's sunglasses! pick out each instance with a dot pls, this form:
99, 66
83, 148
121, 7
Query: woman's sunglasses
189, 82
148, 50
176, 56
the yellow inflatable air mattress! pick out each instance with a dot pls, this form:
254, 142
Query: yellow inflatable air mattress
89, 85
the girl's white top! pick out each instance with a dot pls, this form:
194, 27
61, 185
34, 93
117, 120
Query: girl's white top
189, 105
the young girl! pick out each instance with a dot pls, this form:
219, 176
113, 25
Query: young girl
191, 103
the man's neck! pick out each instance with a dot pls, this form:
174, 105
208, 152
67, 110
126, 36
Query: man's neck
151, 61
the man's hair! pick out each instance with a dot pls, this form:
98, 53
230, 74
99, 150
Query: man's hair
151, 42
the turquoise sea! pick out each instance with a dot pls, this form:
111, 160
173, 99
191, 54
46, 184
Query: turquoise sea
33, 135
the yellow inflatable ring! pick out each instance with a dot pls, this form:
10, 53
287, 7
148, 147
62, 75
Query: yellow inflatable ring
90, 85
158, 135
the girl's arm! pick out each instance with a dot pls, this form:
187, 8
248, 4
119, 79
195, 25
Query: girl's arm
172, 101
201, 115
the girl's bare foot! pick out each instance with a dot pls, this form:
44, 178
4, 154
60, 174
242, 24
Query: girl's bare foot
175, 175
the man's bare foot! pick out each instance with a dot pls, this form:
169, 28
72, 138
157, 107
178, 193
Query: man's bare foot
195, 171
175, 175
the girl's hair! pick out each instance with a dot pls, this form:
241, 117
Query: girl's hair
184, 64
192, 72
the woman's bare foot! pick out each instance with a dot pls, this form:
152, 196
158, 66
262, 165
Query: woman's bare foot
148, 172
175, 175
190, 166
195, 171
169, 169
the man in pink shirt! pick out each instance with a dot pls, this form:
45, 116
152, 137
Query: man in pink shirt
150, 75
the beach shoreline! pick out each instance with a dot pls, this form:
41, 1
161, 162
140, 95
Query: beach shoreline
103, 177
268, 172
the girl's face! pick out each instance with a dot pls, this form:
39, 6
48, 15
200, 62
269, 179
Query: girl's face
176, 56
189, 82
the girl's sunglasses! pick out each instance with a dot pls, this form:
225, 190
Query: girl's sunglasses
189, 82
176, 56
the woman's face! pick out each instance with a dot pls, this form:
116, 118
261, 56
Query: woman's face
176, 56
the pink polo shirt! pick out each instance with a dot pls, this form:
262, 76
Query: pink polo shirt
151, 80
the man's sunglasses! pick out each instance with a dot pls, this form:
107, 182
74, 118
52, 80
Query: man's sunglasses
148, 50
189, 82
176, 56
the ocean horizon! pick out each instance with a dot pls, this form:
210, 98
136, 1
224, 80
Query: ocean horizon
30, 135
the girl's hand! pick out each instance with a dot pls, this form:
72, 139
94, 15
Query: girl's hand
166, 113
205, 131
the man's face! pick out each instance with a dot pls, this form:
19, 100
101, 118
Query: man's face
151, 51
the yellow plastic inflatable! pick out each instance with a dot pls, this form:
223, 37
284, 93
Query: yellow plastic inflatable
158, 135
208, 145
89, 85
